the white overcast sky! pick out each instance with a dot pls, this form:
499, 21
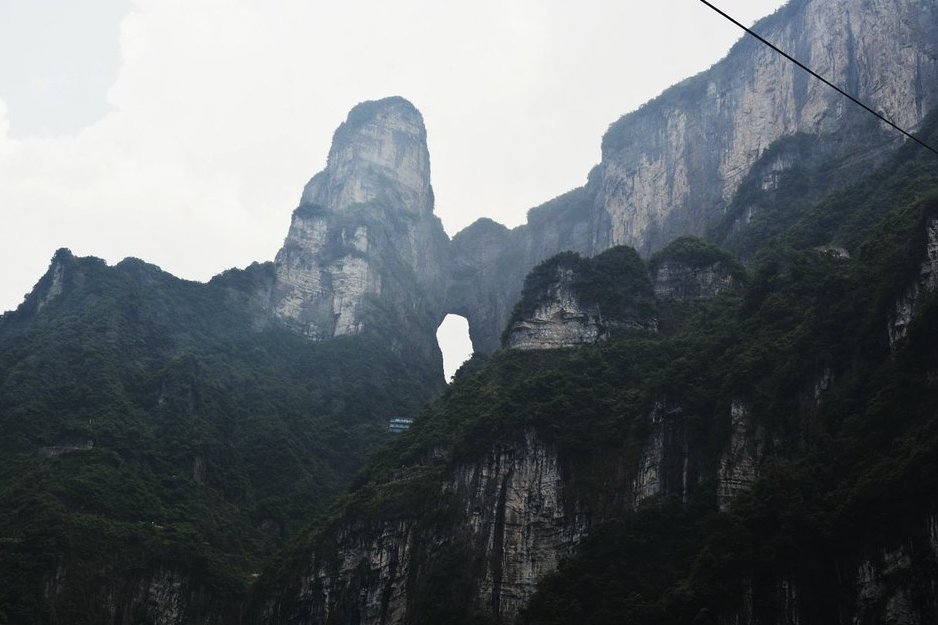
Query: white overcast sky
182, 131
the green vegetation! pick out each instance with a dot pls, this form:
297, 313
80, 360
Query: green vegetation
215, 436
616, 282
698, 253
845, 480
847, 473
806, 192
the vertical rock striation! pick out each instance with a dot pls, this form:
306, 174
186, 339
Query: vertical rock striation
364, 251
690, 269
480, 532
664, 465
491, 262
926, 282
562, 321
569, 300
160, 596
672, 167
739, 462
498, 525
378, 155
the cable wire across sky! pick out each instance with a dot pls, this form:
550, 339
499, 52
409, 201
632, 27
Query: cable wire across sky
852, 98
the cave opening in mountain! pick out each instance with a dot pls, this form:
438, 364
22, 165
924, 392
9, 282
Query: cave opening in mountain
453, 337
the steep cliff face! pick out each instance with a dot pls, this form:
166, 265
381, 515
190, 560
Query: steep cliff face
674, 166
446, 537
690, 269
562, 321
499, 524
378, 155
753, 441
883, 593
772, 417
741, 458
671, 167
664, 467
162, 596
569, 301
889, 585
491, 262
924, 283
477, 260
674, 280
364, 250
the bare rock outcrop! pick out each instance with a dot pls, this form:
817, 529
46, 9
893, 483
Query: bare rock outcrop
364, 251
673, 167
569, 301
690, 269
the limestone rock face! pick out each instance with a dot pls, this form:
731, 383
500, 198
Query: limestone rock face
673, 167
691, 269
569, 301
57, 280
364, 251
680, 281
925, 282
378, 155
879, 597
511, 514
664, 466
477, 256
562, 321
62, 270
498, 521
490, 262
739, 463
160, 596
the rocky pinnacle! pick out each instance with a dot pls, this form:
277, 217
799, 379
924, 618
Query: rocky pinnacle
364, 251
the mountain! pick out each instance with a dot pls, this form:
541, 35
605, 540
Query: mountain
365, 252
568, 301
677, 165
714, 401
162, 437
765, 455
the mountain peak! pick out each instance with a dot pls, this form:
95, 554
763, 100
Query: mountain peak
379, 156
364, 250
371, 111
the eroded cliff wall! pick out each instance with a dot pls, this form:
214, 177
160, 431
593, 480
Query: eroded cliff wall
364, 251
672, 167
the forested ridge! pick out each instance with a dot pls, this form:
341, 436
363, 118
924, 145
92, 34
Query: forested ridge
154, 424
845, 420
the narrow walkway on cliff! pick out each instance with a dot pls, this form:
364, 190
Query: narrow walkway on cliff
453, 337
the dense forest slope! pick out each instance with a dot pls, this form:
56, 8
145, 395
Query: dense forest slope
767, 456
160, 437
